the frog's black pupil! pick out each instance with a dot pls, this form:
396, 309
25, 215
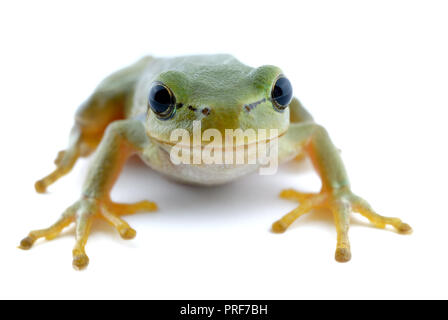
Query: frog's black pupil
160, 99
282, 92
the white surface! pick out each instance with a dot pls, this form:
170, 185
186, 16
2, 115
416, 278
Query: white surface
374, 73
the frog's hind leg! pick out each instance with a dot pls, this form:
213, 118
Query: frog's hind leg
92, 119
107, 104
64, 162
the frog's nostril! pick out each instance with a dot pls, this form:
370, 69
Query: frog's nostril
205, 111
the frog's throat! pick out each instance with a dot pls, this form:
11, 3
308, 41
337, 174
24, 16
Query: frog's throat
170, 144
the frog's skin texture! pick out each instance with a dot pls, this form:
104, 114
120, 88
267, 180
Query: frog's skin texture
214, 89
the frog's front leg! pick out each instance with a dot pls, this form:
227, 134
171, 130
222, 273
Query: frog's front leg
335, 194
121, 140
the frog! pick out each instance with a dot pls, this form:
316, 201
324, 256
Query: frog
134, 110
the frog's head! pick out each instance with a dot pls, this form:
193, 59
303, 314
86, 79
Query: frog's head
220, 96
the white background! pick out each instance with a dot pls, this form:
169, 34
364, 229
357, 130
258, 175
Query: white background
374, 73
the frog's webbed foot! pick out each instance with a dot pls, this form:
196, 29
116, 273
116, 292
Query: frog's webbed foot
82, 214
341, 202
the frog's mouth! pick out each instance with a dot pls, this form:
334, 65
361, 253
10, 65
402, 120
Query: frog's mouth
222, 147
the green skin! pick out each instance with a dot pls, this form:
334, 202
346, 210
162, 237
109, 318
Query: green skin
213, 89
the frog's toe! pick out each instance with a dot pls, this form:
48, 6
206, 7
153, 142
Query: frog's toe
404, 228
26, 243
80, 260
112, 211
64, 161
131, 208
49, 233
291, 194
279, 227
59, 157
362, 207
343, 254
123, 228
127, 233
40, 186
282, 224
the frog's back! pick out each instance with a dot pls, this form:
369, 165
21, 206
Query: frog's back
111, 99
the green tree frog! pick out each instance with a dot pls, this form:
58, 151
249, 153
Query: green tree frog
135, 110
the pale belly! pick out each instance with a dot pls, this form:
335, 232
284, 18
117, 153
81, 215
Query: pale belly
158, 158
200, 174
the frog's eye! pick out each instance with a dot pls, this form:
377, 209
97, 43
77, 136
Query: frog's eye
281, 93
162, 101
